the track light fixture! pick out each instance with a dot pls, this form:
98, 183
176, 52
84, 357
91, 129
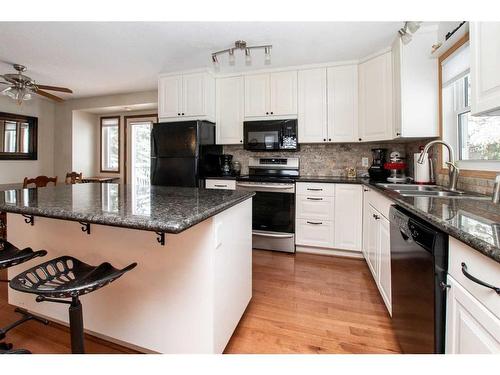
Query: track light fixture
410, 27
242, 45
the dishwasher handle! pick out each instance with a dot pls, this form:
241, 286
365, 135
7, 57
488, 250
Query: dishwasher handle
477, 281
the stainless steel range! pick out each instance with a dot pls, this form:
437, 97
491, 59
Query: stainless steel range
273, 180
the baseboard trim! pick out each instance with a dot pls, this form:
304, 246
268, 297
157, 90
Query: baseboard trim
331, 252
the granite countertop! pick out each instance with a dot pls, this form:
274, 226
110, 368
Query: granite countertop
333, 179
151, 208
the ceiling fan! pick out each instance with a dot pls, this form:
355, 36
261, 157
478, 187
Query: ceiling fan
21, 87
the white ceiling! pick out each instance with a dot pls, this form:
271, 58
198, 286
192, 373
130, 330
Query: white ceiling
99, 58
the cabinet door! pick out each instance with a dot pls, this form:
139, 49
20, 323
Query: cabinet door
283, 99
193, 95
470, 327
348, 216
375, 92
384, 249
372, 241
312, 106
257, 95
230, 107
485, 60
170, 96
343, 104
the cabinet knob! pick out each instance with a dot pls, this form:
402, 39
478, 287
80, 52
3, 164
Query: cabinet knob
267, 113
272, 112
359, 139
329, 139
241, 141
179, 114
183, 113
324, 139
398, 134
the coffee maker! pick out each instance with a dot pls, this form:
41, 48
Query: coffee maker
225, 164
377, 171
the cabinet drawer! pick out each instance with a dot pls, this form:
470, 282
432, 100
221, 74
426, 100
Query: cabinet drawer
220, 184
315, 189
314, 233
321, 208
479, 266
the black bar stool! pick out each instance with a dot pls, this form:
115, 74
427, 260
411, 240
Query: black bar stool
67, 277
11, 256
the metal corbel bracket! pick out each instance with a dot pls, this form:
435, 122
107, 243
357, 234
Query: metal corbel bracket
85, 227
29, 219
161, 238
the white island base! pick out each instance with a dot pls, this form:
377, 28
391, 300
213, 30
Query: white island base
184, 297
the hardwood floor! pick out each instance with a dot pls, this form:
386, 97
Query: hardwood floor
306, 303
301, 303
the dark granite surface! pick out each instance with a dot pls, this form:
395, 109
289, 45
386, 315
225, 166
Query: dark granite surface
472, 221
221, 178
155, 208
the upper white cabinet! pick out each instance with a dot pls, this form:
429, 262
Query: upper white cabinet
271, 94
312, 102
230, 110
485, 72
343, 103
375, 98
415, 86
186, 97
328, 104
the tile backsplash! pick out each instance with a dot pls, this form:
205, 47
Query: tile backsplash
329, 159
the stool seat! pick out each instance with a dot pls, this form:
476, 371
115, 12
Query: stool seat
11, 256
66, 277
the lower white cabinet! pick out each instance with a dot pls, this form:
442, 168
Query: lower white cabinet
220, 184
329, 216
470, 327
377, 242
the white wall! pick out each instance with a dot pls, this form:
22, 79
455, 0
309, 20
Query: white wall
85, 133
63, 141
14, 171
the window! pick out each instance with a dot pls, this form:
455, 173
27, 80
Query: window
17, 137
110, 144
476, 139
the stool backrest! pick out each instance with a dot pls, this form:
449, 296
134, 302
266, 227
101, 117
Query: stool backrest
40, 181
73, 178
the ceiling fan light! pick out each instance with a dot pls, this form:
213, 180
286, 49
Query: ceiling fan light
413, 26
231, 57
248, 57
267, 58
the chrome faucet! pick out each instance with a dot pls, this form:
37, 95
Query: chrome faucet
453, 169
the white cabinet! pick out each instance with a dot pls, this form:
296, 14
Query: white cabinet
220, 184
470, 327
271, 94
377, 242
315, 233
415, 86
186, 97
348, 216
485, 74
375, 98
312, 106
229, 110
343, 103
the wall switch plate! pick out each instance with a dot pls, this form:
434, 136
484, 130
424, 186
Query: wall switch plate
364, 162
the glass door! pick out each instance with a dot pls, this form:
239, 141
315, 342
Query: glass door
138, 162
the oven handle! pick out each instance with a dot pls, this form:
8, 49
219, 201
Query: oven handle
272, 235
264, 187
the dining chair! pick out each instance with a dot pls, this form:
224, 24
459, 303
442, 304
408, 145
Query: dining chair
40, 181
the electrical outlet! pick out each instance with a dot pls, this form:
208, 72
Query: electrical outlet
364, 162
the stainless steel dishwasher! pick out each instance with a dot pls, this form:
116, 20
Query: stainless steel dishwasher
419, 264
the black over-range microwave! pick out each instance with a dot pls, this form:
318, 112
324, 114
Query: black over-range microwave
270, 135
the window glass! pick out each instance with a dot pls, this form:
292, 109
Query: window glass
110, 144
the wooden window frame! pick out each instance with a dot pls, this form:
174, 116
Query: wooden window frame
119, 143
33, 139
442, 170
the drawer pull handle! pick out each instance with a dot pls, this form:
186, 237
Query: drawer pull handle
315, 223
220, 185
311, 189
477, 281
315, 199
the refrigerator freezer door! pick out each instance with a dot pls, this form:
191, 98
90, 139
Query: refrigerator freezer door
174, 172
178, 140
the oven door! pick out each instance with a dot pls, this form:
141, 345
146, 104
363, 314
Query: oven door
273, 217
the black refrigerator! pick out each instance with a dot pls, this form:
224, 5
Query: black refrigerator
184, 153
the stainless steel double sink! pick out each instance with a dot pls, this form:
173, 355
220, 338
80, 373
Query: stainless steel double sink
414, 190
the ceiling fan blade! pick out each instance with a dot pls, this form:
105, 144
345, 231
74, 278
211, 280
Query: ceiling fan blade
54, 88
50, 96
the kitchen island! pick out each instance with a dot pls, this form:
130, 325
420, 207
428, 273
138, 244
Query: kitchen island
193, 248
